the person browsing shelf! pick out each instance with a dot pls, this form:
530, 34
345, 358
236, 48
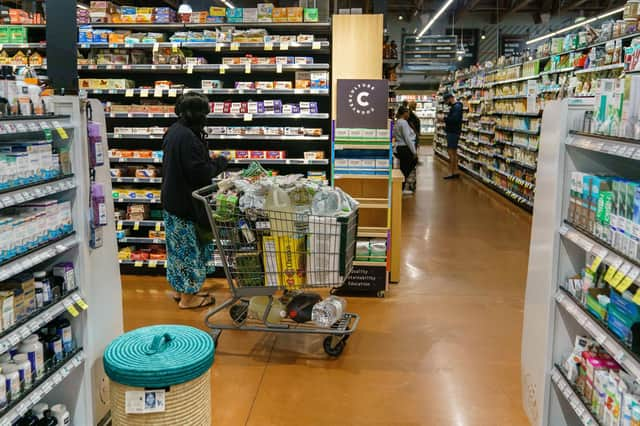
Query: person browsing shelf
453, 128
405, 146
187, 166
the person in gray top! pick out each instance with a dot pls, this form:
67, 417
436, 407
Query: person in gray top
405, 146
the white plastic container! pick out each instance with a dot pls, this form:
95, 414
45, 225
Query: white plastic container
24, 365
35, 352
12, 379
329, 311
3, 391
39, 409
61, 414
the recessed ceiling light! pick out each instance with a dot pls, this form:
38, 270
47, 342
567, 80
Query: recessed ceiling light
400, 17
483, 35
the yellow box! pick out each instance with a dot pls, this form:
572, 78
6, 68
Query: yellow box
280, 14
294, 14
217, 11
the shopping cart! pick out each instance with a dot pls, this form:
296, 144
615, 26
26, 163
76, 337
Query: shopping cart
267, 252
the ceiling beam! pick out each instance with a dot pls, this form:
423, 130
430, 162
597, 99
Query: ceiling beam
523, 4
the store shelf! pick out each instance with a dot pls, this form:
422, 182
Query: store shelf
515, 162
382, 264
464, 148
354, 175
526, 132
37, 255
515, 80
372, 232
136, 180
342, 146
322, 138
373, 203
517, 114
39, 117
12, 46
620, 147
513, 196
141, 240
135, 160
275, 26
320, 46
17, 195
158, 224
288, 161
41, 388
151, 92
513, 178
600, 69
18, 332
572, 396
144, 263
259, 68
627, 359
245, 117
137, 200
136, 67
558, 71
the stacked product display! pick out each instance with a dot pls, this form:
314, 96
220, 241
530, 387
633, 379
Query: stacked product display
596, 256
504, 100
425, 111
267, 80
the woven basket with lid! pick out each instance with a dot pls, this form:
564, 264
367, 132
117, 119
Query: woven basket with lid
175, 358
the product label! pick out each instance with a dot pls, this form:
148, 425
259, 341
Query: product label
143, 402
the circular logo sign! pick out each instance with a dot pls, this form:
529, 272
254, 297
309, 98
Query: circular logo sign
359, 98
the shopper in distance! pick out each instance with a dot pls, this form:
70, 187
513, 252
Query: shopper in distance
453, 128
405, 146
188, 166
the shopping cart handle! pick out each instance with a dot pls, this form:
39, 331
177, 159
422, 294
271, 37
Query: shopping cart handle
202, 193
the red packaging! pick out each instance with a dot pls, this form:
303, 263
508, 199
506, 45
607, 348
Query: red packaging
276, 155
242, 155
244, 108
257, 155
227, 107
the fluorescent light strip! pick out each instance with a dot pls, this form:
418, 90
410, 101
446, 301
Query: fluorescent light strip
435, 17
228, 4
574, 26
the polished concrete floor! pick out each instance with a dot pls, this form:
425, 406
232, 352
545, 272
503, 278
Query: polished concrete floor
442, 349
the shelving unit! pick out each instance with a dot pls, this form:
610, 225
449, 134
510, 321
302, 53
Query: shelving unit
188, 77
561, 249
73, 381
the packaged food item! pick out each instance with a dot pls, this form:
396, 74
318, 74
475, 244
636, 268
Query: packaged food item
265, 12
310, 14
279, 14
294, 14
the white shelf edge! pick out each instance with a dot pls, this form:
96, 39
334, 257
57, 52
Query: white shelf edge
574, 400
605, 146
37, 394
38, 256
34, 324
19, 196
614, 348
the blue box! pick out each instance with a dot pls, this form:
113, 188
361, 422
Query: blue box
235, 15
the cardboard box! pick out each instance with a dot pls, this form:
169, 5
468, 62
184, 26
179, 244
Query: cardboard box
250, 14
294, 14
217, 11
235, 15
265, 12
279, 14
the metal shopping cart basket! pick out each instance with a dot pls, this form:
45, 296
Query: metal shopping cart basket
266, 253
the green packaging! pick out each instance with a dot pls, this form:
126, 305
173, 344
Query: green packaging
310, 14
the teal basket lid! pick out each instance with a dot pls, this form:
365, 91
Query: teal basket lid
159, 356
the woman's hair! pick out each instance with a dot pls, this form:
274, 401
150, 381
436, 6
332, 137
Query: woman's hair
192, 108
401, 111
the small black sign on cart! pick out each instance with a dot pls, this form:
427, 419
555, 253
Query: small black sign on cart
367, 278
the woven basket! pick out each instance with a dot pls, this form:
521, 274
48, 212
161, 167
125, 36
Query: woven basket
175, 358
187, 404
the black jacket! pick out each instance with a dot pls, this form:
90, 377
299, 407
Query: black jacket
453, 122
414, 122
186, 166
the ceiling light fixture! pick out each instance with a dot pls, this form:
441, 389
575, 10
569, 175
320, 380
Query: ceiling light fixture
228, 4
574, 26
400, 17
580, 17
82, 6
184, 8
483, 35
435, 17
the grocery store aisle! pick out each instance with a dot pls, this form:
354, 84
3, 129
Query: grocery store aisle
442, 349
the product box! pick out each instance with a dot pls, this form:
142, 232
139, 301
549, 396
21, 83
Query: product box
355, 163
294, 14
242, 155
341, 163
368, 163
314, 155
250, 14
276, 155
265, 12
7, 315
235, 15
382, 164
310, 14
257, 155
66, 273
279, 14
217, 11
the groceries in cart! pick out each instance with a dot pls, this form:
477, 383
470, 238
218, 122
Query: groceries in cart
298, 306
283, 231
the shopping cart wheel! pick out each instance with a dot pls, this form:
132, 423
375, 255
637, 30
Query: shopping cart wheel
336, 350
238, 312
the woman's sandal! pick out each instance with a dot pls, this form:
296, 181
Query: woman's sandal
176, 296
207, 300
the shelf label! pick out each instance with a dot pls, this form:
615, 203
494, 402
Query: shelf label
247, 117
218, 47
316, 45
156, 47
136, 225
222, 68
144, 93
600, 255
119, 225
157, 92
158, 225
247, 68
80, 302
138, 263
234, 46
70, 308
152, 263
628, 280
284, 45
174, 47
268, 45
173, 93
190, 69
622, 272
279, 68
60, 130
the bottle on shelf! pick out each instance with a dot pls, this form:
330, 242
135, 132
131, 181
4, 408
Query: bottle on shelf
61, 414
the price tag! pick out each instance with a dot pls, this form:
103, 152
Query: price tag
25, 332
60, 130
70, 308
611, 271
218, 47
279, 68
119, 225
222, 69
173, 93
158, 225
19, 198
14, 339
622, 272
284, 45
152, 263
47, 386
57, 378
190, 69
36, 396
235, 46
268, 45
247, 117
157, 92
144, 93
156, 47
598, 260
247, 68
138, 263
136, 225
628, 280
174, 47
316, 45
80, 302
